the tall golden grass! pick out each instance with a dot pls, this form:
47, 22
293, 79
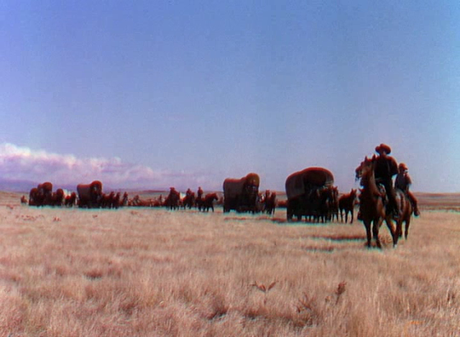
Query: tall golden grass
152, 272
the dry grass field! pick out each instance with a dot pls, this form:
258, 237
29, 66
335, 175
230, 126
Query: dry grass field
152, 272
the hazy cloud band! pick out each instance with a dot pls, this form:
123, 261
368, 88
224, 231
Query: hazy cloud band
22, 163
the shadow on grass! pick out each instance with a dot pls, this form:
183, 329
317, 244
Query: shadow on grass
335, 243
284, 221
280, 221
339, 237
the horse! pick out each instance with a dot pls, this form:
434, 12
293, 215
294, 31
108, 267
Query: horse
333, 203
270, 203
107, 200
138, 202
208, 202
173, 199
405, 209
189, 200
124, 201
347, 204
325, 205
372, 204
116, 200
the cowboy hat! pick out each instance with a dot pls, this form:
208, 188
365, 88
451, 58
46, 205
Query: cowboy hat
383, 148
402, 166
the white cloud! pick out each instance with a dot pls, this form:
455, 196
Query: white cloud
22, 163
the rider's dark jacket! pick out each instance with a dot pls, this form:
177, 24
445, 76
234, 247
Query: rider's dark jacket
385, 168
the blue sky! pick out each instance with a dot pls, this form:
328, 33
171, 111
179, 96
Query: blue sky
186, 93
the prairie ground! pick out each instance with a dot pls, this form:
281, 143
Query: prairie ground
153, 272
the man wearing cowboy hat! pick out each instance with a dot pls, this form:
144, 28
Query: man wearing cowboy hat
403, 182
385, 168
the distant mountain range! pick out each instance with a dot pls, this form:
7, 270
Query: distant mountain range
24, 186
16, 185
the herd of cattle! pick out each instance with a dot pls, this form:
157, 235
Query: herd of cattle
310, 194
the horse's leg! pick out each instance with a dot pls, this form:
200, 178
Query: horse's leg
409, 211
367, 225
406, 234
395, 232
399, 229
351, 216
404, 211
375, 231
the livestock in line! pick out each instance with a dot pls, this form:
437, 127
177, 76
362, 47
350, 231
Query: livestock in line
310, 194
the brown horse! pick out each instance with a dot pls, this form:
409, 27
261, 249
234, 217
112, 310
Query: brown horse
406, 209
372, 204
270, 202
333, 204
208, 202
189, 200
173, 199
124, 201
347, 204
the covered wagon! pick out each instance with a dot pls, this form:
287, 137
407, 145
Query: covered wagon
241, 194
90, 195
304, 191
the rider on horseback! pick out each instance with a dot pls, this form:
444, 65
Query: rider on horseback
385, 168
200, 193
403, 182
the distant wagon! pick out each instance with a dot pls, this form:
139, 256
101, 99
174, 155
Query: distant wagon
241, 194
41, 195
90, 195
304, 191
